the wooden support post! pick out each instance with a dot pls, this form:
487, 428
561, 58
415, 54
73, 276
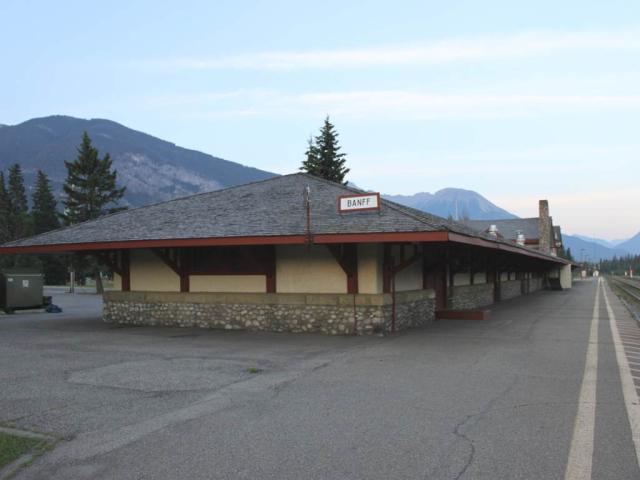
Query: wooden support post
387, 268
125, 270
270, 270
184, 269
347, 257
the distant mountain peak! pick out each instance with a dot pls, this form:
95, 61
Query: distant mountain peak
455, 202
632, 245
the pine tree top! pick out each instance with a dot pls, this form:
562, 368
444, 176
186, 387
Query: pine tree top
323, 156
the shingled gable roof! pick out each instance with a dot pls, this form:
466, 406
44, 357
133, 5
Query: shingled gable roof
509, 228
267, 211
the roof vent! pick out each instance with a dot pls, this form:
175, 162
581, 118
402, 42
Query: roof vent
493, 231
520, 240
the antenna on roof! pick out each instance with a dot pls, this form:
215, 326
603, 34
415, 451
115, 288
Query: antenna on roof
307, 206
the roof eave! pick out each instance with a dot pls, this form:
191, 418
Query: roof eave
326, 238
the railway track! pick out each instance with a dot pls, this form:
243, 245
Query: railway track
628, 289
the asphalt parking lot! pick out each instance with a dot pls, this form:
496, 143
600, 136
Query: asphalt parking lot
459, 399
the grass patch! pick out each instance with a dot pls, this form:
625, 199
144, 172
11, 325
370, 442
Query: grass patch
13, 447
253, 370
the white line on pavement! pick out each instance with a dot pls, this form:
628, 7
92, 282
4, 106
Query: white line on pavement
628, 386
581, 451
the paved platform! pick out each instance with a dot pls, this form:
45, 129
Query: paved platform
496, 399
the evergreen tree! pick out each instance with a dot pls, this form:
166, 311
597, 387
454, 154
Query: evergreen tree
90, 191
90, 188
44, 213
5, 235
44, 218
568, 255
324, 158
18, 204
311, 164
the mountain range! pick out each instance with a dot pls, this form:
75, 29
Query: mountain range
155, 170
152, 169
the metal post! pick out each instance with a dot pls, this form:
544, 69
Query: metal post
72, 281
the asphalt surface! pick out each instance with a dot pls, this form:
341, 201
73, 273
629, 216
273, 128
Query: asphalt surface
458, 400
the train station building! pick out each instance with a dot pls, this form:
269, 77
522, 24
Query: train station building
300, 254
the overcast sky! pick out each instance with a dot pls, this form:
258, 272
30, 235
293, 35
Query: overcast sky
516, 100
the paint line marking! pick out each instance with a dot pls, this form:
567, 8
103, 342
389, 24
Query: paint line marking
628, 386
580, 459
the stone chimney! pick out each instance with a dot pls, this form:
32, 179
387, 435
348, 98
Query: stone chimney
544, 227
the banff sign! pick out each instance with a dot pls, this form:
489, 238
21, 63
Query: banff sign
359, 203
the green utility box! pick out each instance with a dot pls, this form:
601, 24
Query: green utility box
20, 289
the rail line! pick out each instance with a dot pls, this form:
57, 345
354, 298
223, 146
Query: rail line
628, 286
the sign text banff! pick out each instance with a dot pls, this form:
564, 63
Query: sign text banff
350, 203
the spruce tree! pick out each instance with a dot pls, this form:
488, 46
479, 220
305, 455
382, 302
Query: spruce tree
324, 158
90, 191
44, 218
311, 164
18, 204
44, 212
5, 235
90, 188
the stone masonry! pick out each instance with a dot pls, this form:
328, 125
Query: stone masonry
467, 297
510, 289
333, 314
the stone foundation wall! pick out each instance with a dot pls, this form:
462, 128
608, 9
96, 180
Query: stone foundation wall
510, 289
465, 297
535, 284
333, 314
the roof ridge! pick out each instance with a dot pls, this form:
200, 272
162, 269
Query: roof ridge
408, 211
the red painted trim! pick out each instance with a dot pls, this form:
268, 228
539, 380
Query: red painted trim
230, 241
397, 237
458, 238
377, 209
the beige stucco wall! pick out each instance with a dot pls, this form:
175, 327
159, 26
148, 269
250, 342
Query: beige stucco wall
228, 283
117, 282
149, 273
308, 269
566, 280
460, 279
410, 278
370, 268
479, 277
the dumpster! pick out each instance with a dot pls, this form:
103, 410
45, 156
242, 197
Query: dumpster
20, 289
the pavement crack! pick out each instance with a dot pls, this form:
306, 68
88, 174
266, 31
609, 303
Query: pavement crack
468, 441
469, 421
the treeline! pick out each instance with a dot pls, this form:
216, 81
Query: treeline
90, 190
18, 221
620, 265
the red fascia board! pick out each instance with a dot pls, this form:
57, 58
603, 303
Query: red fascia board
399, 237
230, 241
458, 238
